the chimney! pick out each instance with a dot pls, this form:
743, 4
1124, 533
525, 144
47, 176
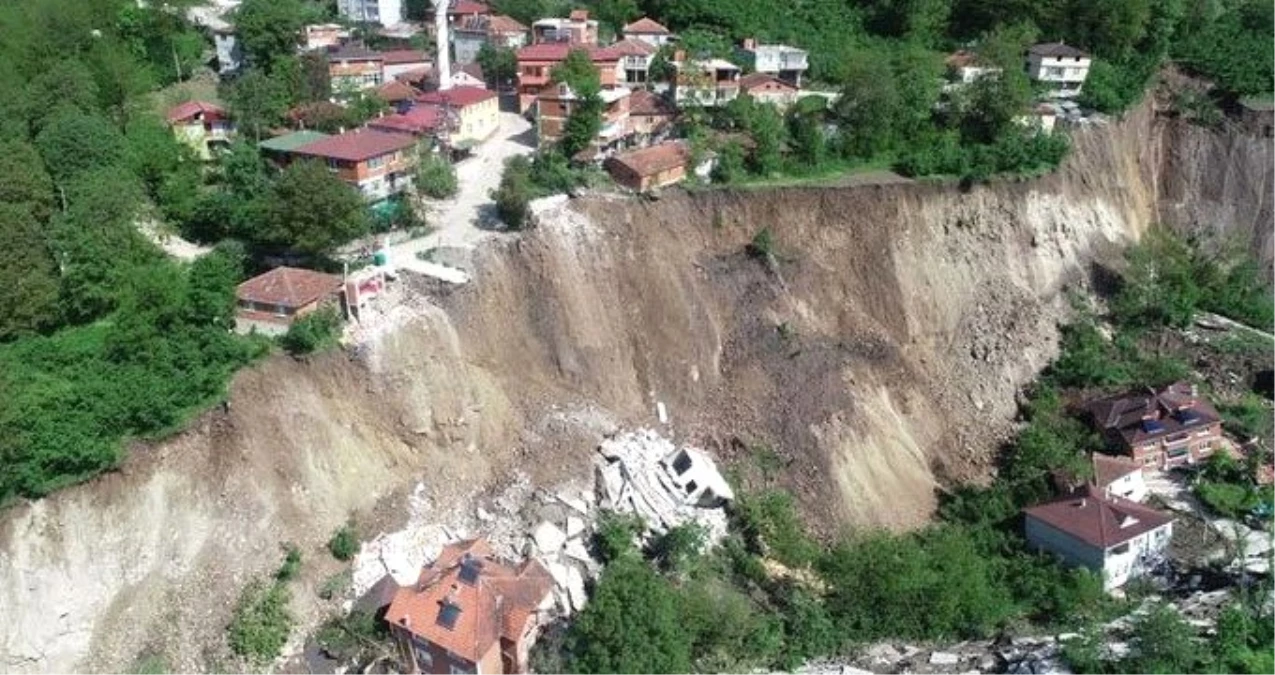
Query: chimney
444, 55
750, 43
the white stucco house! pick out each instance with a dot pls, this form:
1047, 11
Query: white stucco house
1061, 65
782, 61
1119, 476
1115, 537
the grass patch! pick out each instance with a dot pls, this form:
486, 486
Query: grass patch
261, 622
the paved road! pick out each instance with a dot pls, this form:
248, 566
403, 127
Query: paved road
468, 218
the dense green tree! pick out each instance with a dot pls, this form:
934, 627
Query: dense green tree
1163, 642
868, 107
766, 127
121, 79
28, 277
269, 29
73, 143
632, 624
67, 84
993, 106
1225, 47
614, 14
924, 21
1158, 287
23, 180
808, 144
310, 210
585, 121
730, 163
499, 64
258, 102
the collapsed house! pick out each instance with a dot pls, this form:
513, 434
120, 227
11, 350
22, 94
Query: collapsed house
644, 473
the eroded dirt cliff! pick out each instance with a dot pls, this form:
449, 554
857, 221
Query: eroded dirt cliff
878, 354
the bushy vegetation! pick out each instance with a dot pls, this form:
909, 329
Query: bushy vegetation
1229, 488
261, 622
436, 177
315, 331
1222, 41
344, 543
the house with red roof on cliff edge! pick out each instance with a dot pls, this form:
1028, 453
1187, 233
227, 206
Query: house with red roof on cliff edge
1115, 537
201, 125
377, 163
470, 612
269, 303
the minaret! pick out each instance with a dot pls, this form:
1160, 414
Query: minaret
444, 58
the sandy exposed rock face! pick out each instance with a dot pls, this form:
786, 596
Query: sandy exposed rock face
878, 357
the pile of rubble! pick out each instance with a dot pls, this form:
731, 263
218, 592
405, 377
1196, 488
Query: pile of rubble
564, 550
642, 472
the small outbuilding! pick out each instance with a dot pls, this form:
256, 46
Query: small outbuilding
270, 302
651, 168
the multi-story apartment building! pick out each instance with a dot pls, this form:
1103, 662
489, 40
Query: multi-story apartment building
383, 12
786, 63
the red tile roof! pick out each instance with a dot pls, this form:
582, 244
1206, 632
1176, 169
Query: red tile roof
401, 56
396, 90
421, 119
496, 604
458, 97
1150, 414
632, 47
468, 7
655, 159
962, 59
288, 286
187, 111
357, 146
1098, 520
646, 26
557, 51
754, 80
354, 52
643, 102
501, 24
1108, 469
1056, 49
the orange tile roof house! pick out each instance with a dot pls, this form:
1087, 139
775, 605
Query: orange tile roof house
648, 31
1118, 538
471, 612
650, 115
378, 163
769, 89
651, 168
1166, 428
270, 302
635, 59
536, 64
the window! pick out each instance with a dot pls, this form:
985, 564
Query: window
1120, 550
457, 669
424, 658
376, 162
1054, 72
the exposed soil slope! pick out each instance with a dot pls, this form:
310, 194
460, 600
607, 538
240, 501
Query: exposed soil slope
879, 355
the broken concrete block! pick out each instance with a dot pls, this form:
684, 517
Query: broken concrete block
576, 504
549, 539
575, 550
575, 589
944, 659
559, 573
575, 527
485, 515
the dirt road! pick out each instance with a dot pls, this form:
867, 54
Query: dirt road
468, 218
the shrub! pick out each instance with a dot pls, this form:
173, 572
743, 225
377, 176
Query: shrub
513, 194
348, 638
291, 563
312, 332
344, 543
769, 524
762, 245
617, 534
730, 164
261, 622
678, 547
335, 585
436, 177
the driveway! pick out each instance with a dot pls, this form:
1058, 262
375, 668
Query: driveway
468, 218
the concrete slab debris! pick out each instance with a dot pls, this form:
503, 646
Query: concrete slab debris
575, 527
944, 659
548, 538
575, 589
576, 551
